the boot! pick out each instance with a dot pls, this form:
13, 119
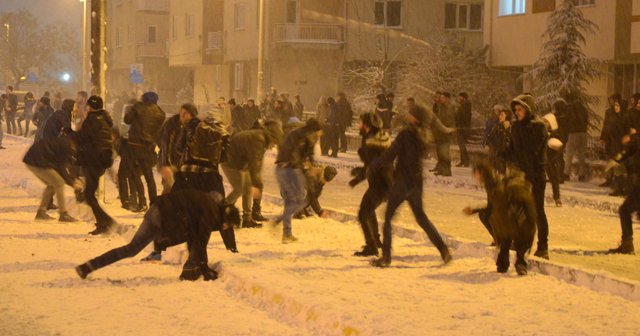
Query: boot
521, 269
542, 253
66, 218
256, 211
84, 270
626, 247
382, 262
52, 206
446, 255
289, 238
249, 223
617, 184
42, 215
367, 251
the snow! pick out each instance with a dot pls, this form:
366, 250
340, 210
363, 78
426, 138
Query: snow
314, 286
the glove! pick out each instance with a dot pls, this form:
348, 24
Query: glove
357, 171
354, 182
610, 165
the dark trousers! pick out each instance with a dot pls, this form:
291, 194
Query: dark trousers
93, 175
554, 171
412, 192
443, 152
333, 140
11, 122
147, 172
538, 183
130, 186
371, 200
27, 122
462, 144
630, 205
342, 137
484, 215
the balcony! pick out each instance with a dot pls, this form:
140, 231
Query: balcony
152, 50
214, 42
309, 34
161, 6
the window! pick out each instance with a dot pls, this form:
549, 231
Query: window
152, 34
463, 16
188, 25
174, 29
292, 11
584, 2
238, 77
388, 13
238, 16
543, 6
512, 7
118, 37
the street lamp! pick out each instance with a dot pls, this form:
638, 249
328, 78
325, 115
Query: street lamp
84, 44
8, 28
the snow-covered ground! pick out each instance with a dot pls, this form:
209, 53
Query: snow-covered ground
314, 286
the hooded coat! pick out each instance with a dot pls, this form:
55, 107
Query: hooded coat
529, 137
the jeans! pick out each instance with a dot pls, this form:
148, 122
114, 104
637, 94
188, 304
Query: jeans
11, 122
367, 215
54, 185
412, 192
93, 175
293, 191
462, 144
576, 146
241, 184
630, 205
147, 231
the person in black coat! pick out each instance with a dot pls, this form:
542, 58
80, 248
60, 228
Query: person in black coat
40, 117
528, 152
407, 151
169, 156
617, 128
375, 141
180, 216
463, 126
345, 119
59, 120
50, 160
499, 140
95, 151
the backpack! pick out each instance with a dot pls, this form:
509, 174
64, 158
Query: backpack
209, 141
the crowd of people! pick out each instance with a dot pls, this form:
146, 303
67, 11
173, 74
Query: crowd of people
76, 143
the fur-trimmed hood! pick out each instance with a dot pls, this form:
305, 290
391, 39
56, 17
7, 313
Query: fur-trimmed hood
527, 101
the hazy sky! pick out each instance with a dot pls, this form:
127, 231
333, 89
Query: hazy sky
69, 11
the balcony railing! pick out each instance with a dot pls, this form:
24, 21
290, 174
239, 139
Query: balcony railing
308, 33
152, 50
214, 42
153, 5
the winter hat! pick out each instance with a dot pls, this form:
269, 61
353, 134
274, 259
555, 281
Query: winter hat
45, 100
527, 101
95, 102
150, 97
371, 119
313, 124
499, 107
551, 119
329, 173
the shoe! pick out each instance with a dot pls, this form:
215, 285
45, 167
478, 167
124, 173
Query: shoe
442, 174
83, 270
521, 269
333, 155
42, 215
52, 206
102, 229
558, 203
207, 273
154, 257
461, 164
250, 223
287, 239
259, 217
299, 215
446, 255
367, 251
542, 253
626, 247
141, 208
66, 218
190, 274
381, 262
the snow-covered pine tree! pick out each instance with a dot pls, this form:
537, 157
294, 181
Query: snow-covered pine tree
563, 69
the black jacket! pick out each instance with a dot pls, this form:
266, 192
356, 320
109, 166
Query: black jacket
577, 120
499, 139
246, 152
93, 140
528, 147
344, 113
463, 115
146, 122
617, 127
407, 151
169, 134
54, 153
297, 148
372, 146
58, 121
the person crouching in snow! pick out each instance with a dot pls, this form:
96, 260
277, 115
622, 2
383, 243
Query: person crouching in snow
317, 176
50, 161
181, 216
510, 215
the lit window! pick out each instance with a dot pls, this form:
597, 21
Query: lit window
238, 16
388, 13
512, 7
463, 16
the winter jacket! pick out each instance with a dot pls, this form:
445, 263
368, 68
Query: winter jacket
297, 148
499, 140
528, 147
252, 114
11, 105
447, 115
246, 152
617, 127
463, 115
52, 153
298, 110
383, 111
146, 121
488, 128
188, 216
169, 134
40, 119
58, 121
407, 151
344, 113
239, 119
28, 108
577, 120
372, 146
93, 140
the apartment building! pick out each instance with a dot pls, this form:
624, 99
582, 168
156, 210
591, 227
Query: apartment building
137, 34
513, 31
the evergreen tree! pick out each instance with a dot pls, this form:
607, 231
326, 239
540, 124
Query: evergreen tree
563, 69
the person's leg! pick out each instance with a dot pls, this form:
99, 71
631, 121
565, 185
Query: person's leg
19, 123
196, 264
397, 195
27, 122
49, 190
343, 139
570, 151
123, 184
503, 256
581, 153
147, 172
367, 210
484, 219
1, 134
462, 145
538, 186
13, 123
145, 235
293, 193
553, 170
234, 177
247, 195
630, 205
136, 186
415, 202
92, 176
